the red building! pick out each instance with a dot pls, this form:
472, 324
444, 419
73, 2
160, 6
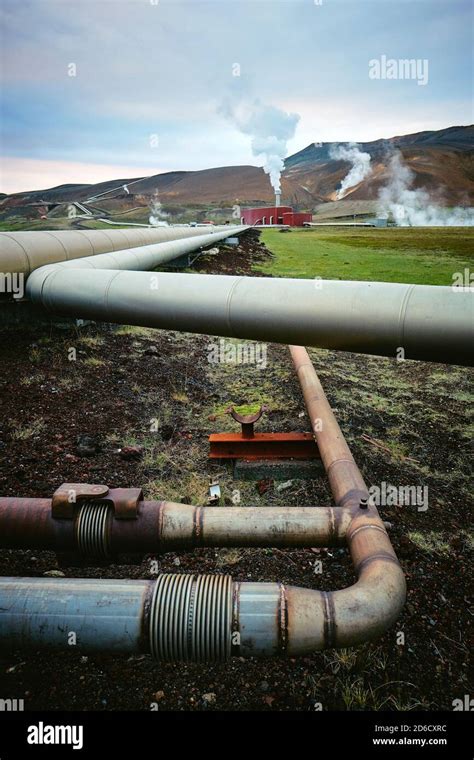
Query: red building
275, 215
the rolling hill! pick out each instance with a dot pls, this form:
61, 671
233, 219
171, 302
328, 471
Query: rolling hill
442, 162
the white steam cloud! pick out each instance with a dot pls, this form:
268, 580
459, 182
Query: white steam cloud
270, 129
360, 165
414, 208
158, 216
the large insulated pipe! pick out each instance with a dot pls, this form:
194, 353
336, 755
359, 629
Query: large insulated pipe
426, 322
138, 258
23, 252
161, 526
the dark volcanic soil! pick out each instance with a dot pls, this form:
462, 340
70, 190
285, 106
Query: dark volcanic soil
407, 424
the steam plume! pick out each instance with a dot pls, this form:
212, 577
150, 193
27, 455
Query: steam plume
270, 129
360, 165
414, 208
157, 216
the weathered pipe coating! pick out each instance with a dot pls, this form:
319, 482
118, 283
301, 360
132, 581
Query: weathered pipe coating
162, 526
345, 479
202, 618
23, 252
377, 598
428, 322
177, 617
205, 618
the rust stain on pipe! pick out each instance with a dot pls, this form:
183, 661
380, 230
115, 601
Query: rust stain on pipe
282, 621
270, 617
329, 620
162, 526
366, 609
321, 619
345, 479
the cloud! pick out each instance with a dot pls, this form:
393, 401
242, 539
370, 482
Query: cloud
162, 69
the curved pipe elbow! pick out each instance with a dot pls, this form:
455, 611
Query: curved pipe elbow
276, 619
350, 616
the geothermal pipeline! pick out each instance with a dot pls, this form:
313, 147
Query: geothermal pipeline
426, 322
186, 617
432, 323
23, 252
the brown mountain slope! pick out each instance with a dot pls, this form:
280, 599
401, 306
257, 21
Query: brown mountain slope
442, 162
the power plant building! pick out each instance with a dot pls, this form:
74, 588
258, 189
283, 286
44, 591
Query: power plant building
275, 215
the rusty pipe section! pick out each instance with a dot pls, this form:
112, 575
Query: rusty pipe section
427, 322
23, 252
159, 526
205, 618
209, 618
277, 619
345, 479
309, 620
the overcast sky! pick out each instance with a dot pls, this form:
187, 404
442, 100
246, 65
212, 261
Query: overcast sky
151, 77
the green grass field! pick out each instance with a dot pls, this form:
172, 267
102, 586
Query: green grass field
425, 255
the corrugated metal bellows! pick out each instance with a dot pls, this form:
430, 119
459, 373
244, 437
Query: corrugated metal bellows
191, 618
92, 529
